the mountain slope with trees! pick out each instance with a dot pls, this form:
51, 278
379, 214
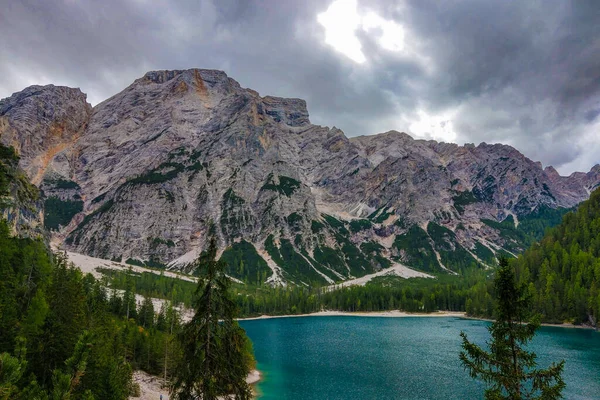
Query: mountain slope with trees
563, 269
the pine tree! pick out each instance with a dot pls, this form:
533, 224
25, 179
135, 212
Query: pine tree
508, 369
212, 364
65, 382
146, 313
12, 370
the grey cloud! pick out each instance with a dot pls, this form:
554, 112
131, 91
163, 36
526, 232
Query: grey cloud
523, 73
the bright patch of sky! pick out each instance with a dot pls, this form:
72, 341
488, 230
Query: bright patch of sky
436, 127
342, 21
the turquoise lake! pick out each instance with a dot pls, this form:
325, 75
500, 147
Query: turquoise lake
397, 358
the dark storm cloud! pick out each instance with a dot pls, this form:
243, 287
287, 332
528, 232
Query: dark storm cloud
525, 73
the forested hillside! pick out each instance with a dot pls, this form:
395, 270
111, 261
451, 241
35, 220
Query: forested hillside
563, 270
61, 335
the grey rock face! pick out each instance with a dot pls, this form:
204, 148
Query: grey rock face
181, 154
40, 122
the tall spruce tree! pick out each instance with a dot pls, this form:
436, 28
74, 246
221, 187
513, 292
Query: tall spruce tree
508, 369
214, 355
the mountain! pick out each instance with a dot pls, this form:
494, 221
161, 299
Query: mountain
147, 175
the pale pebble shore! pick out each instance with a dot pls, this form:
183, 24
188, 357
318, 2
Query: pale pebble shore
152, 387
388, 314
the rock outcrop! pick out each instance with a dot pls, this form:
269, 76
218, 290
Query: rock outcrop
150, 173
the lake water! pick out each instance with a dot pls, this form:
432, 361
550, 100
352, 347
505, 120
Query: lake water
397, 358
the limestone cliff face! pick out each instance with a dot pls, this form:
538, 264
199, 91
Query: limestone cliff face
40, 122
148, 174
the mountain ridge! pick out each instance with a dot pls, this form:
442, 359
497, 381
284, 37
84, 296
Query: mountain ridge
146, 173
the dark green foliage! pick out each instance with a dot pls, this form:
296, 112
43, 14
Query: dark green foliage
316, 226
463, 199
296, 266
25, 273
537, 223
385, 214
215, 359
446, 292
357, 225
563, 270
14, 182
530, 229
61, 337
508, 368
99, 198
373, 250
294, 221
135, 261
417, 249
61, 183
374, 213
8, 163
48, 304
515, 240
452, 254
153, 285
334, 222
287, 186
244, 263
331, 258
155, 242
358, 263
164, 173
484, 253
273, 250
59, 212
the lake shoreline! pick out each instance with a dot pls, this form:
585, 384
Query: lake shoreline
568, 326
385, 314
399, 314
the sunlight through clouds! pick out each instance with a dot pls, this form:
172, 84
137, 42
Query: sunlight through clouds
341, 22
437, 127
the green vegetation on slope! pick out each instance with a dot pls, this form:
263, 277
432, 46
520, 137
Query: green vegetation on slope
563, 270
59, 212
244, 263
463, 199
8, 162
286, 186
416, 251
13, 181
452, 254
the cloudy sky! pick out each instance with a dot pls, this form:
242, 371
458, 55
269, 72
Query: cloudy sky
525, 73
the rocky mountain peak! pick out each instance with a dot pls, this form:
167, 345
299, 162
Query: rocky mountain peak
41, 121
551, 172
